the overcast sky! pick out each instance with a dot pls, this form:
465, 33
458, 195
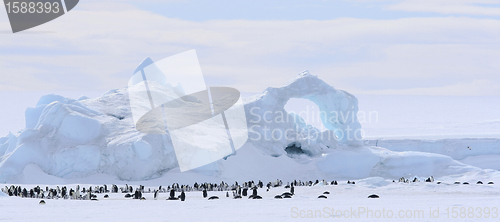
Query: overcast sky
421, 47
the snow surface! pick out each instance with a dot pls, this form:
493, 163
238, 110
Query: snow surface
416, 202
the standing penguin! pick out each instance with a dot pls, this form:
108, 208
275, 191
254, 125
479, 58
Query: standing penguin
183, 196
63, 193
205, 193
137, 194
292, 190
172, 194
77, 192
25, 193
156, 194
244, 193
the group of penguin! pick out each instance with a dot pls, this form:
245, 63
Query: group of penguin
238, 191
55, 193
415, 180
478, 182
431, 180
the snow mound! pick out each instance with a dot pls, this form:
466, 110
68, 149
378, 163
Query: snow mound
482, 153
380, 162
373, 182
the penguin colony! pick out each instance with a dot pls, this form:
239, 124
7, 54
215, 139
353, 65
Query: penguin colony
431, 180
247, 189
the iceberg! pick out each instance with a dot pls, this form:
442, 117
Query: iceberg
72, 139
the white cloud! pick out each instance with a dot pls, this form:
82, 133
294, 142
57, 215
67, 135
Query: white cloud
98, 50
463, 7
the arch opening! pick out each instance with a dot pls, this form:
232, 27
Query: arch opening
308, 111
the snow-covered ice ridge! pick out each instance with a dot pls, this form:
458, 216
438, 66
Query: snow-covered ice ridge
67, 140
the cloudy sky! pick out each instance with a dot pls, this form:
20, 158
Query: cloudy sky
399, 47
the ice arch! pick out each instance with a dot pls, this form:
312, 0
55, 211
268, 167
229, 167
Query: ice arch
273, 129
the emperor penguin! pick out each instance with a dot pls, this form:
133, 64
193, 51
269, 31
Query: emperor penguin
172, 193
156, 194
77, 192
183, 196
